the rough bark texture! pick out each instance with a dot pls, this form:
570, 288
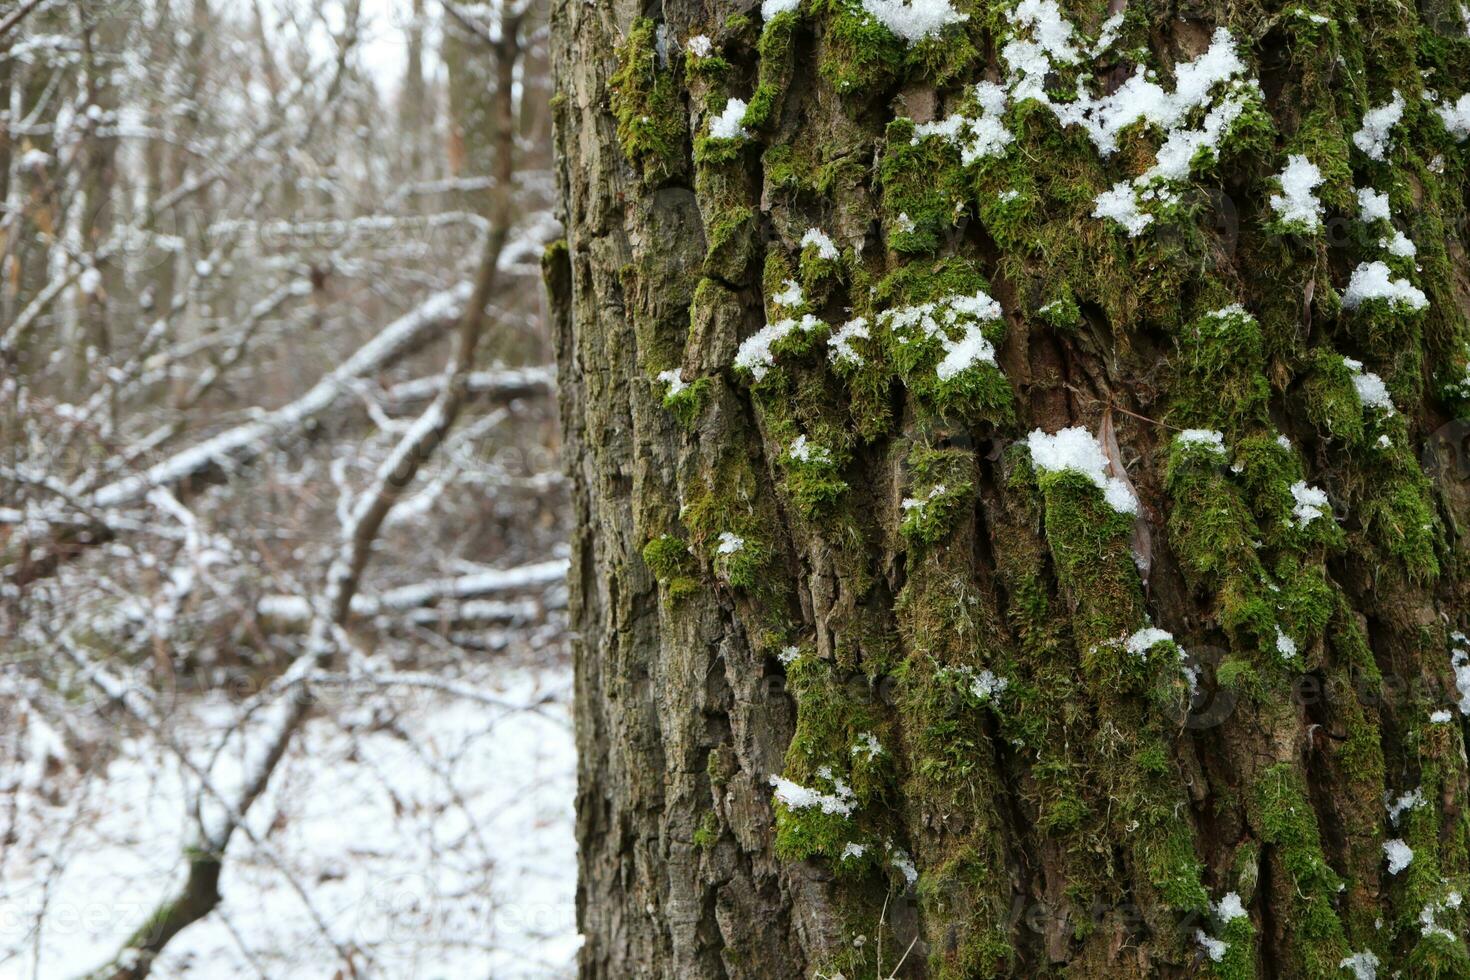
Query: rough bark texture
839, 559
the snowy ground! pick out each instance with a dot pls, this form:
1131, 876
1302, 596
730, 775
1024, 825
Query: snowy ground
426, 834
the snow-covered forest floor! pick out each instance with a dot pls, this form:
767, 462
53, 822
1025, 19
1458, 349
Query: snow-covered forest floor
284, 673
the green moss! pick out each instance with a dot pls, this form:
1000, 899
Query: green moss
673, 565
1221, 367
774, 73
857, 52
1332, 401
688, 402
1061, 311
839, 750
1285, 819
732, 243
648, 106
923, 186
707, 834
813, 478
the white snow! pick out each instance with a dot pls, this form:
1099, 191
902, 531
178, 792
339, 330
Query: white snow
825, 247
905, 865
1457, 117
1230, 908
1399, 245
1285, 645
700, 46
790, 294
1372, 205
1209, 438
986, 685
770, 8
851, 850
1375, 136
1297, 204
1428, 926
729, 544
867, 746
1372, 392
726, 126
90, 281
1145, 639
1075, 449
840, 346
1460, 661
1311, 503
33, 158
914, 503
755, 353
1399, 855
1440, 717
788, 654
939, 319
1121, 205
674, 380
1373, 280
916, 19
1364, 965
808, 452
1215, 949
798, 797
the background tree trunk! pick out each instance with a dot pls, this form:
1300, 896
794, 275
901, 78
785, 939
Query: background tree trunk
968, 654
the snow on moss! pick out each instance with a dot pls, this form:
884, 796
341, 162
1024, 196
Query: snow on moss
1215, 949
939, 320
795, 796
1310, 503
915, 503
867, 746
1373, 280
790, 294
1373, 205
1076, 450
1375, 137
914, 20
1285, 645
1209, 439
1146, 639
1297, 203
840, 346
818, 239
1230, 908
1460, 661
1372, 392
1399, 855
700, 46
730, 543
727, 125
674, 380
1399, 245
976, 137
1364, 965
771, 8
1428, 916
905, 865
755, 354
804, 451
1456, 117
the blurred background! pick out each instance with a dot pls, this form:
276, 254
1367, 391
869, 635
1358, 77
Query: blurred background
283, 678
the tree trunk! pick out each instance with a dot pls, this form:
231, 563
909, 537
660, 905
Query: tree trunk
1020, 525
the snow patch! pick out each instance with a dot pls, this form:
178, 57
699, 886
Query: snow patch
1075, 449
1297, 204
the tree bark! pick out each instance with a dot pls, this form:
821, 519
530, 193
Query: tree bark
1109, 633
